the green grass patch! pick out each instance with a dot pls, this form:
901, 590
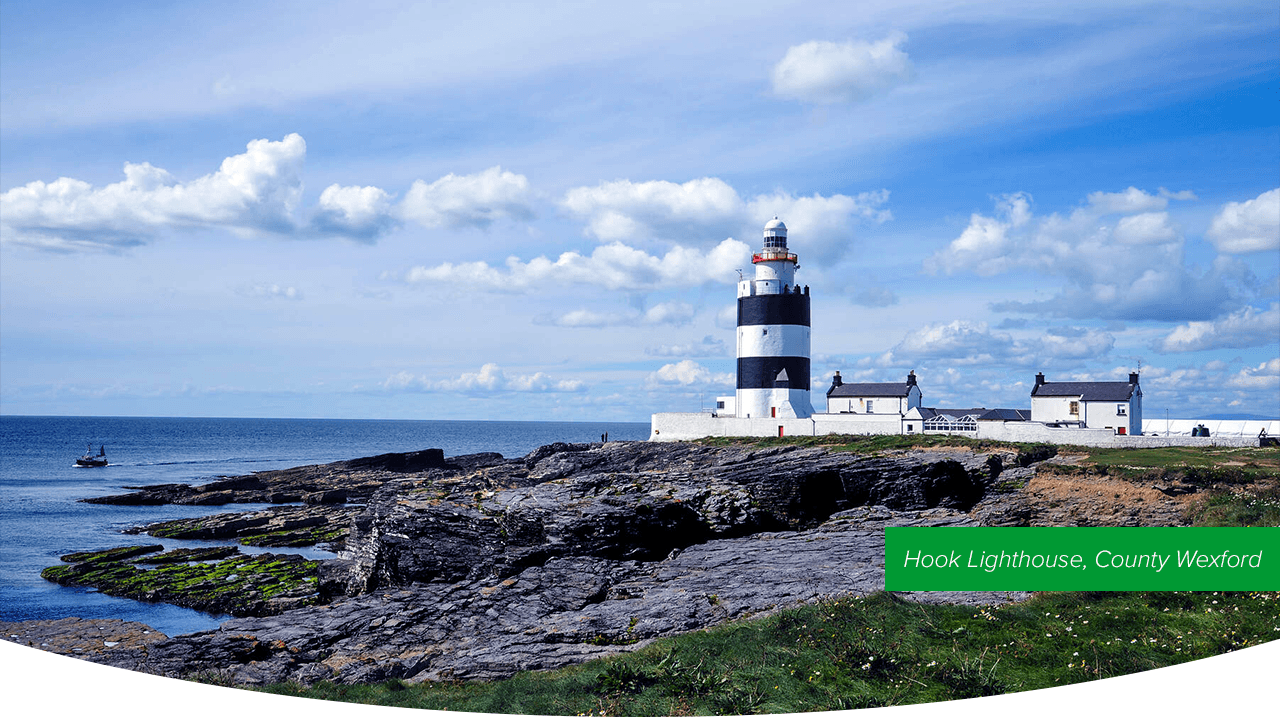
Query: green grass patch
1259, 507
1028, 452
851, 653
1185, 456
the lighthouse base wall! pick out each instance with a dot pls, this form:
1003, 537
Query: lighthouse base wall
690, 426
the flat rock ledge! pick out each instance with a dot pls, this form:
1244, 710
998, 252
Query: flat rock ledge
479, 567
564, 612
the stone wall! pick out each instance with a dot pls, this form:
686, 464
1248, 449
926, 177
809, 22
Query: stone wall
690, 426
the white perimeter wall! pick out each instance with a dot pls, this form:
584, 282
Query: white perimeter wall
688, 426
1033, 432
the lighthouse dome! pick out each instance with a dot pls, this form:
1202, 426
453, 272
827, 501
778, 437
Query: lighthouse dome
775, 228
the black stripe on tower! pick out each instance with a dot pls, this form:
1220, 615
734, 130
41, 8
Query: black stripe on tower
760, 371
774, 309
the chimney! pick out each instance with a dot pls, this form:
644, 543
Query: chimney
1040, 379
911, 378
1133, 378
836, 381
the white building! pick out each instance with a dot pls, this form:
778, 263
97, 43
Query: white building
1114, 405
873, 398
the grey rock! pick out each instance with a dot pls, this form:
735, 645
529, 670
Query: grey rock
488, 566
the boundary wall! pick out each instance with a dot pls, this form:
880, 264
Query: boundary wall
1032, 432
690, 426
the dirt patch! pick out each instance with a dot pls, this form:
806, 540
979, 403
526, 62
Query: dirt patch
1101, 500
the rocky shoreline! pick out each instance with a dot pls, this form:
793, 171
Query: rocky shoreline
477, 566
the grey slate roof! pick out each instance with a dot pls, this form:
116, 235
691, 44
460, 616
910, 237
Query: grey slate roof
1006, 414
873, 390
1087, 390
927, 413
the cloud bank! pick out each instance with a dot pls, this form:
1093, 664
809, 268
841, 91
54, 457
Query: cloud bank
490, 379
703, 210
254, 191
1245, 328
612, 266
1119, 254
257, 192
974, 343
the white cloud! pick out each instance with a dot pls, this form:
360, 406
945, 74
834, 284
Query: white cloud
1265, 376
974, 343
1245, 328
612, 266
1131, 200
1070, 343
490, 379
688, 373
702, 210
624, 209
1244, 227
475, 200
269, 291
1145, 228
1088, 249
818, 228
708, 346
961, 342
674, 313
355, 212
257, 190
828, 72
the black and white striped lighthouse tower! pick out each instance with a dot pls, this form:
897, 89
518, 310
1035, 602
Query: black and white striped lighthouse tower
773, 334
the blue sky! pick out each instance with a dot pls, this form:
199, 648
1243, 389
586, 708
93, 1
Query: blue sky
472, 210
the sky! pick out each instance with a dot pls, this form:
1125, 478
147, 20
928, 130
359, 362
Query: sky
537, 211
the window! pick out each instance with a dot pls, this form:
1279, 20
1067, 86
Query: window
1075, 408
869, 407
719, 404
1122, 410
910, 428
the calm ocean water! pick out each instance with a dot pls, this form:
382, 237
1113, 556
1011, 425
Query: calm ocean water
40, 486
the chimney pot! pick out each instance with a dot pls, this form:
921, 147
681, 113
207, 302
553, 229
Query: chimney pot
1040, 379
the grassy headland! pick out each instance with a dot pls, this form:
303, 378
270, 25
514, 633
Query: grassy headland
845, 653
854, 652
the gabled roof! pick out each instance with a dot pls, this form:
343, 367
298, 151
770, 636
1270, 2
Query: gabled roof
1087, 390
872, 390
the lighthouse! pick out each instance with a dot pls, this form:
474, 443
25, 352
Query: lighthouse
773, 334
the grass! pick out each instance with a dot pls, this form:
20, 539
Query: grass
853, 652
1259, 507
880, 443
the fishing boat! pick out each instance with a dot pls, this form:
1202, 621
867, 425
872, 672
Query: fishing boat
92, 461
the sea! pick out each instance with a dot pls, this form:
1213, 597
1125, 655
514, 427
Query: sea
42, 518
